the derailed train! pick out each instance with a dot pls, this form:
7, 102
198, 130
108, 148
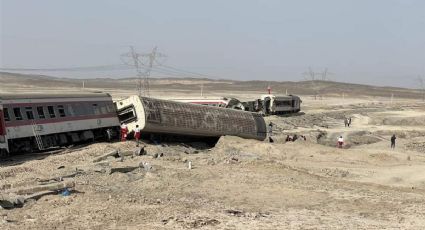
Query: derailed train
38, 121
171, 117
266, 104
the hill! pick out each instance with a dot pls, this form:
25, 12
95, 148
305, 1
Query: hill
10, 80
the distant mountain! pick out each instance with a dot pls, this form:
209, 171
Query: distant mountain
301, 88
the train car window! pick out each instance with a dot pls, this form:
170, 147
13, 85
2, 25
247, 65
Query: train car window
17, 113
29, 113
283, 103
87, 109
110, 108
2, 131
104, 108
6, 114
127, 114
40, 112
78, 109
51, 111
96, 109
71, 110
61, 111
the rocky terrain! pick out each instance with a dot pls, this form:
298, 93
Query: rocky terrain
239, 183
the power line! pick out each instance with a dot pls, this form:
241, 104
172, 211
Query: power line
188, 72
138, 62
70, 69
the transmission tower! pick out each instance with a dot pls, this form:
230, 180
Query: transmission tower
311, 75
143, 63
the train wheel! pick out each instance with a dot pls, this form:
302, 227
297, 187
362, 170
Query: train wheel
3, 153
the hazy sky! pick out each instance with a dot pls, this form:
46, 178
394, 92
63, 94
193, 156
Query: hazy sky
363, 41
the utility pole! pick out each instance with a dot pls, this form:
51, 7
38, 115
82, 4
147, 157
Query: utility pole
313, 77
202, 89
422, 85
143, 61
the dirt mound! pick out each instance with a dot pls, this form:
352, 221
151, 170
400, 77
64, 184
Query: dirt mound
383, 157
400, 133
354, 138
416, 146
398, 121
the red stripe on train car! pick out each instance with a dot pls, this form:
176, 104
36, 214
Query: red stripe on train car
57, 120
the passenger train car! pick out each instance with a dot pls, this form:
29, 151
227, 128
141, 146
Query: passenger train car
39, 121
265, 105
157, 116
274, 105
224, 102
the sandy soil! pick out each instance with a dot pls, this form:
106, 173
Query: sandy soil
246, 184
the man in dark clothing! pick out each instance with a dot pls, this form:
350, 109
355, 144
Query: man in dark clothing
270, 128
393, 141
288, 138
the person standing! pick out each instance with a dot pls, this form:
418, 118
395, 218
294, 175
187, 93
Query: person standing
270, 128
345, 122
393, 138
340, 142
124, 132
137, 135
349, 121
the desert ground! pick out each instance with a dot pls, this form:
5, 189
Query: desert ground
239, 183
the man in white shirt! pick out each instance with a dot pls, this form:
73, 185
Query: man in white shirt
340, 142
137, 134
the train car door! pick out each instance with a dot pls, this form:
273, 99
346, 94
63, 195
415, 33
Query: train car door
3, 140
2, 124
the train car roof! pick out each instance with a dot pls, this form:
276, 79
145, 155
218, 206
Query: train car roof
196, 98
62, 95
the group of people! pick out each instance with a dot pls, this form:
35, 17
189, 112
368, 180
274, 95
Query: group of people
340, 141
347, 122
124, 133
295, 137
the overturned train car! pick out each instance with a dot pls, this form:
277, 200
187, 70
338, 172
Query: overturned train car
157, 116
39, 121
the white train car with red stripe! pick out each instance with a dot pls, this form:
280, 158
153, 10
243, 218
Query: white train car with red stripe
40, 121
223, 102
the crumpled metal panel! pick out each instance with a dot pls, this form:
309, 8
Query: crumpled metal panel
188, 119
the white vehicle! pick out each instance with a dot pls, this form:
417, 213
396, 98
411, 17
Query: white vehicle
40, 121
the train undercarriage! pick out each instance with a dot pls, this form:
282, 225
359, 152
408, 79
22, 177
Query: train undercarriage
40, 143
